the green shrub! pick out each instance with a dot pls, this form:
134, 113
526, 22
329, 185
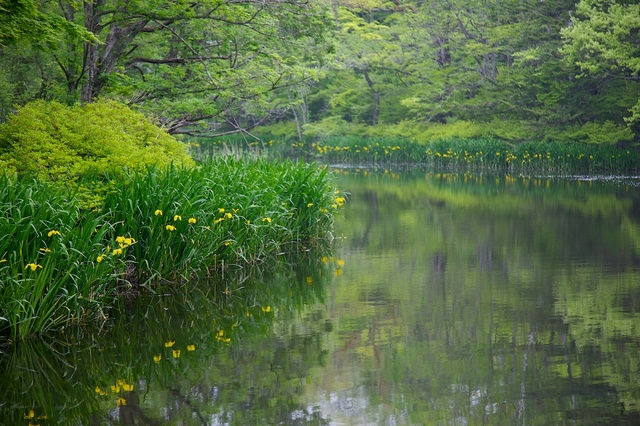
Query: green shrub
606, 133
334, 126
281, 130
603, 133
62, 143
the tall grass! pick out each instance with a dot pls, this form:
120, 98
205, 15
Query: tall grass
204, 148
531, 157
48, 273
466, 154
227, 211
61, 262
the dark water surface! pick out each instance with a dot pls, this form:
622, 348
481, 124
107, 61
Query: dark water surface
448, 299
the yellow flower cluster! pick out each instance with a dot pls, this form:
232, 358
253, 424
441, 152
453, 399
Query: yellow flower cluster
122, 242
357, 148
337, 202
34, 266
339, 263
117, 388
509, 157
220, 337
224, 215
176, 218
175, 353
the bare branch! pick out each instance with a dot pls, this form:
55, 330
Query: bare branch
174, 60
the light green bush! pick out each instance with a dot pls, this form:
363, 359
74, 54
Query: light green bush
63, 143
281, 130
335, 126
606, 133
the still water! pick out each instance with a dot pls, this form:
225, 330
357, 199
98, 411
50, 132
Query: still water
448, 299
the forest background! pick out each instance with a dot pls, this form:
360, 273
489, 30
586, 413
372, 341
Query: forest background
509, 69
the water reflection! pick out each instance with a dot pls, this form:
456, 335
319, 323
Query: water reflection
487, 300
201, 355
448, 299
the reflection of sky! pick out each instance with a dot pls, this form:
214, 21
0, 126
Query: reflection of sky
353, 407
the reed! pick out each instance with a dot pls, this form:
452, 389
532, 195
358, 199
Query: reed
466, 154
227, 211
48, 273
61, 262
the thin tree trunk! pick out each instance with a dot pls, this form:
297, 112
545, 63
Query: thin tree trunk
91, 52
298, 127
376, 98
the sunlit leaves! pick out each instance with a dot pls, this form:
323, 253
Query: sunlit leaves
602, 40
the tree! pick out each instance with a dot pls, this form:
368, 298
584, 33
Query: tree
368, 65
22, 20
196, 66
495, 63
603, 40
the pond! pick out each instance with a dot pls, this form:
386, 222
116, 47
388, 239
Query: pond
451, 299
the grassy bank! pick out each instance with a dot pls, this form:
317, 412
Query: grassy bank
481, 154
459, 154
61, 262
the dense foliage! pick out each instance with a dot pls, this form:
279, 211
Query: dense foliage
184, 62
513, 69
59, 143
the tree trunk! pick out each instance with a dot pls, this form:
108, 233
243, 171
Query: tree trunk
102, 59
91, 52
376, 98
